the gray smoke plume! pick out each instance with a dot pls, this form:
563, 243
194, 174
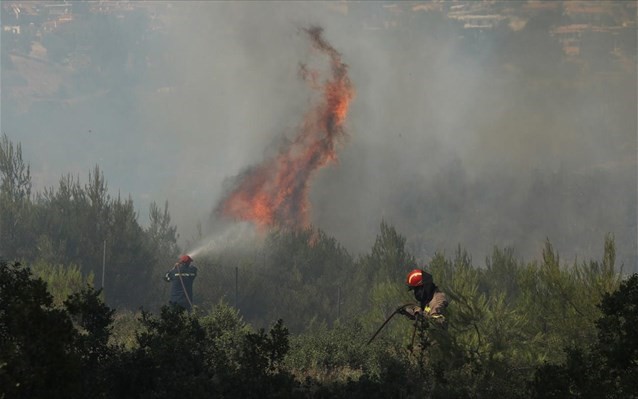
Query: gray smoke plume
475, 123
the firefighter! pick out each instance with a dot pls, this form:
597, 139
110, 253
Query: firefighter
181, 277
432, 301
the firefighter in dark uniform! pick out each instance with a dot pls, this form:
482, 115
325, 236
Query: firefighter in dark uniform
181, 277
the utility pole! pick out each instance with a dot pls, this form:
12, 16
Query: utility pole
338, 302
103, 264
236, 285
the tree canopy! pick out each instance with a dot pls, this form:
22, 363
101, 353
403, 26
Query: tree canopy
291, 315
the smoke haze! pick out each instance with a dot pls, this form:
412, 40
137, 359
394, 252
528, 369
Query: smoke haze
479, 137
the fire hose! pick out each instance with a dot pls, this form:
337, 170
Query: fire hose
179, 274
397, 310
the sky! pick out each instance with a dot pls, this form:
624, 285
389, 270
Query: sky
473, 137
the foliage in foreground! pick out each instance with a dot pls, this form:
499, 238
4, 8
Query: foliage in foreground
609, 367
68, 352
64, 352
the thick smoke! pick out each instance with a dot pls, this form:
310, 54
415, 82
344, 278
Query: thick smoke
477, 137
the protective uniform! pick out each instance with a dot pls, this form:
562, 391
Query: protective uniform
432, 301
181, 277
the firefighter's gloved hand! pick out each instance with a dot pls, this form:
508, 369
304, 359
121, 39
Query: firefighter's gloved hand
418, 313
404, 312
412, 312
167, 277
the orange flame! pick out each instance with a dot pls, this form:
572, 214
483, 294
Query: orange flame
275, 193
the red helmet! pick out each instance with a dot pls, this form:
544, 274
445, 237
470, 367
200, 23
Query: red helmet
185, 259
415, 278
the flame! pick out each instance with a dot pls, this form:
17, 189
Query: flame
275, 193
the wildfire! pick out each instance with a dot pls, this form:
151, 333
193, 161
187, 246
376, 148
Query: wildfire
275, 193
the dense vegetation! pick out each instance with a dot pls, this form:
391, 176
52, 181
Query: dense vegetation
289, 317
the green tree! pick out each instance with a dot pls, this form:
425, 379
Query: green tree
83, 225
93, 320
96, 222
617, 340
15, 201
561, 301
380, 280
162, 234
389, 259
130, 262
163, 247
609, 367
509, 317
489, 348
37, 340
62, 281
301, 274
333, 354
60, 222
197, 356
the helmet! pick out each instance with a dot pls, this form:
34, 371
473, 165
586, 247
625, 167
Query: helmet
185, 259
415, 278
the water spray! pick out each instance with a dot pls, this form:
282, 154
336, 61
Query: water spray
231, 236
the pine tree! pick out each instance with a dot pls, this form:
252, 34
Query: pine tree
15, 201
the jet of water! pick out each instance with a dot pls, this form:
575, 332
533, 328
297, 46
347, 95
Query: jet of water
232, 235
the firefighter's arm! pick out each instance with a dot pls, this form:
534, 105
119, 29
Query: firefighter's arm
170, 274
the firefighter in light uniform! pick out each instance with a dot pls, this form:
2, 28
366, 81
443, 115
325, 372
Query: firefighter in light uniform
181, 277
432, 301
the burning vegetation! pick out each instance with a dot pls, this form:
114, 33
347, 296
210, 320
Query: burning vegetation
275, 192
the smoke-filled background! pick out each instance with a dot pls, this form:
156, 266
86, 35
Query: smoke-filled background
472, 123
